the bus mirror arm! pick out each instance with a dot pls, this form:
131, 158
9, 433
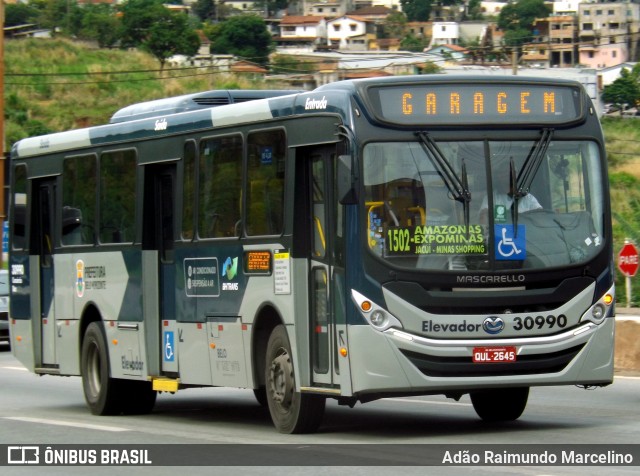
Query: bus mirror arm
346, 185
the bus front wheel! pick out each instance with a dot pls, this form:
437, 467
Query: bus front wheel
291, 411
500, 404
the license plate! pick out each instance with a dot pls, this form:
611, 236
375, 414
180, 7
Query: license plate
486, 355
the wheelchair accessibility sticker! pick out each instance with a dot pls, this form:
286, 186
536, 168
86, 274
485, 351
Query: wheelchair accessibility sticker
169, 354
509, 245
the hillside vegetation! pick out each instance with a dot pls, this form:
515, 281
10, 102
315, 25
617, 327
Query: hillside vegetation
85, 86
56, 85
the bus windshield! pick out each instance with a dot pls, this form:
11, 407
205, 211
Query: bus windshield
484, 205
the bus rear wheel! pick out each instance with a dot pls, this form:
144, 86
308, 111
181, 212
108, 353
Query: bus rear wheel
100, 390
291, 411
500, 404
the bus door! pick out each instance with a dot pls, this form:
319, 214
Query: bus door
158, 267
326, 279
42, 236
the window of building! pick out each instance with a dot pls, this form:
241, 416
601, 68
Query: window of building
336, 27
587, 26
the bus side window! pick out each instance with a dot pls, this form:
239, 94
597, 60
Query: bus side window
78, 200
117, 196
265, 192
19, 208
220, 170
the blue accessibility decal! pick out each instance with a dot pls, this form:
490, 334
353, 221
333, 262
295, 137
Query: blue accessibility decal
508, 244
169, 352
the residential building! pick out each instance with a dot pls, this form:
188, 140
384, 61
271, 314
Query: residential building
301, 33
555, 43
350, 32
608, 34
445, 33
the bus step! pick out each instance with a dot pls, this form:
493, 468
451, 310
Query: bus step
47, 370
326, 391
165, 385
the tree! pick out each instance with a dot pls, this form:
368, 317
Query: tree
516, 20
205, 9
99, 23
244, 35
624, 90
474, 10
137, 18
413, 43
169, 35
395, 25
416, 10
20, 14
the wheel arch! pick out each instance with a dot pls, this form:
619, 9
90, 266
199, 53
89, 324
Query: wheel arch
265, 321
89, 314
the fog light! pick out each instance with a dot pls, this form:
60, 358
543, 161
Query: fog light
598, 312
378, 318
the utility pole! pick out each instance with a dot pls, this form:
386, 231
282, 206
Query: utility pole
514, 60
3, 215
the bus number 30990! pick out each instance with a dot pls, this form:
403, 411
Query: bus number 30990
539, 322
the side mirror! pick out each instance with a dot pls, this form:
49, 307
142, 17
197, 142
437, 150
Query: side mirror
346, 181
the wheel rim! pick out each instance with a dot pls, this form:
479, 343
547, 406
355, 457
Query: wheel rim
93, 369
281, 381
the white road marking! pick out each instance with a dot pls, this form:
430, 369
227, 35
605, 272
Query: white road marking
67, 423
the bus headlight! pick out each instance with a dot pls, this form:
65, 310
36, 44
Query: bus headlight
601, 308
376, 316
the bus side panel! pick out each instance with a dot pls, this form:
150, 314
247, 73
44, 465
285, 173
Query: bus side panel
265, 288
193, 352
67, 321
20, 312
23, 345
112, 282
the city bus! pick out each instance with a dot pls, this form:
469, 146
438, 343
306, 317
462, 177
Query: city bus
374, 238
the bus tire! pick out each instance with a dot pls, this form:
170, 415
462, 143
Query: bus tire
261, 396
500, 404
291, 411
100, 390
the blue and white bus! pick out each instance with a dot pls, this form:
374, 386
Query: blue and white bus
371, 238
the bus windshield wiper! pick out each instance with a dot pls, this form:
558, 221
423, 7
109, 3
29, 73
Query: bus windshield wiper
527, 172
458, 186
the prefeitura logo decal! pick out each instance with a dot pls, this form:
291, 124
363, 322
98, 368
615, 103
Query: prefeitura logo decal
80, 286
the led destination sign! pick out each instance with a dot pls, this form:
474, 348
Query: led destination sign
445, 103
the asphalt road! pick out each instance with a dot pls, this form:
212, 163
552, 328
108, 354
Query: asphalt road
51, 411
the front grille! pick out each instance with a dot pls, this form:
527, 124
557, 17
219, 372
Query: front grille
435, 366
